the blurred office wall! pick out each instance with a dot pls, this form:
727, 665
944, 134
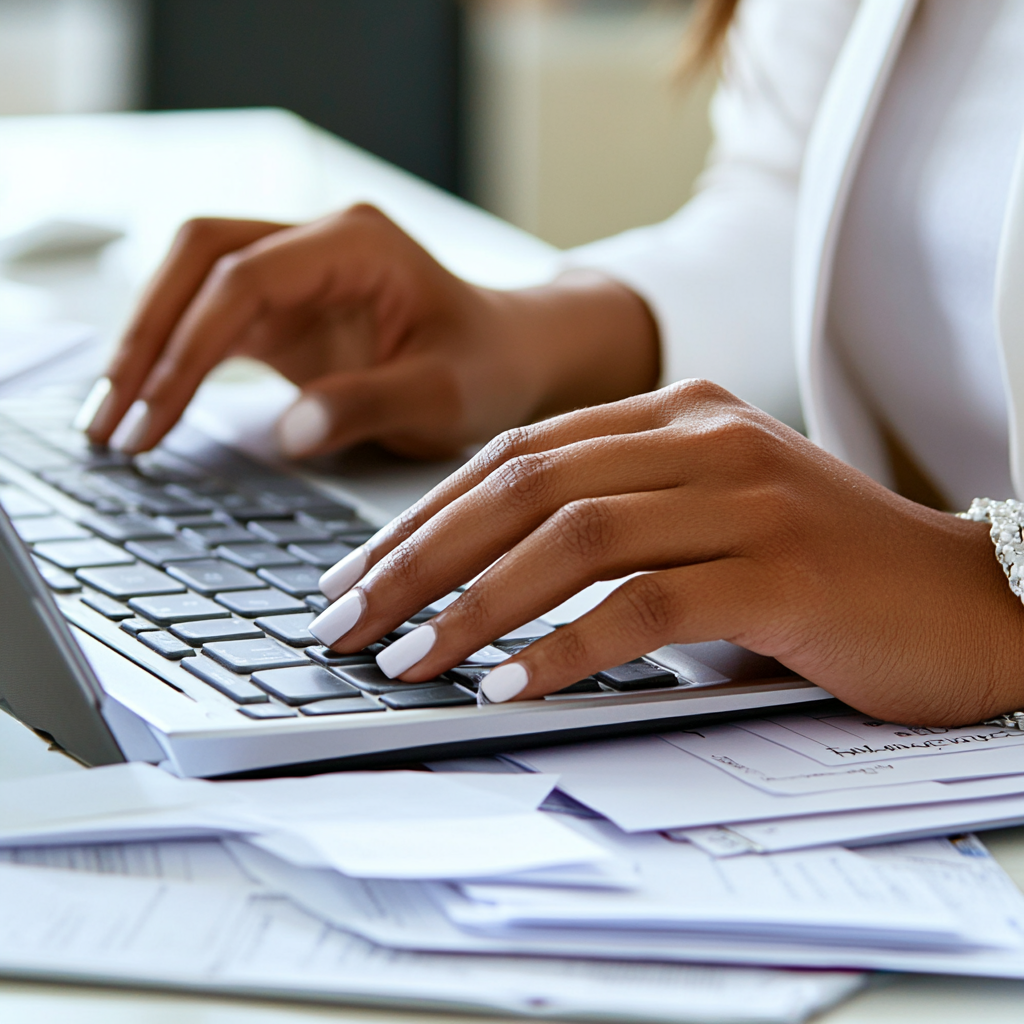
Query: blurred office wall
559, 115
383, 74
576, 125
69, 56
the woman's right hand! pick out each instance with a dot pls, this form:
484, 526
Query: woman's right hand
385, 343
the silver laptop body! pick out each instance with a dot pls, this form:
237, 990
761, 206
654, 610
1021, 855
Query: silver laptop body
119, 580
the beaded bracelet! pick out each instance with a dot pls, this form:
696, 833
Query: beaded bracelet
1006, 518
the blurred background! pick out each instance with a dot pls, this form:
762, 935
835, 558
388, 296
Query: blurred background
561, 116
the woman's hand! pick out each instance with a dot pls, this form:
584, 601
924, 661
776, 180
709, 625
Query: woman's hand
385, 343
741, 529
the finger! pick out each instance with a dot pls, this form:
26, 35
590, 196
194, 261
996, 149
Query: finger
584, 542
197, 247
632, 415
543, 493
707, 601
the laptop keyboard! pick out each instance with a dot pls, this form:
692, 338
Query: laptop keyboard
219, 575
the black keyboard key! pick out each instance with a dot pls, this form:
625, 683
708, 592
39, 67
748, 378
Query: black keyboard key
211, 576
40, 528
637, 675
287, 531
164, 643
303, 684
177, 608
316, 602
297, 580
425, 696
268, 711
370, 679
135, 626
323, 556
255, 556
215, 534
179, 520
250, 603
588, 685
204, 631
129, 581
56, 579
253, 655
331, 519
107, 607
466, 675
325, 656
289, 629
355, 537
17, 503
340, 706
127, 526
78, 554
162, 552
237, 687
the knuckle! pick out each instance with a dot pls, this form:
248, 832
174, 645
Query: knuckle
402, 566
507, 445
649, 605
568, 647
470, 612
200, 233
526, 480
235, 271
586, 528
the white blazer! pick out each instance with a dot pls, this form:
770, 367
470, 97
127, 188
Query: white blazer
739, 280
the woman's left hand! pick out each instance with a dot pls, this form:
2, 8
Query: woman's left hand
741, 529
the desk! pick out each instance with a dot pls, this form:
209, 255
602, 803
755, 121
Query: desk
147, 173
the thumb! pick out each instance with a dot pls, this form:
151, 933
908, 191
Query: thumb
409, 405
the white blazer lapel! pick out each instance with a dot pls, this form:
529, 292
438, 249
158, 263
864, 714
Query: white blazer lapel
1010, 317
836, 416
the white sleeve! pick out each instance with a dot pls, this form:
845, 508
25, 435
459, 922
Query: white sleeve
716, 275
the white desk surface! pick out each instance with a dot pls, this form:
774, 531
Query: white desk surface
146, 174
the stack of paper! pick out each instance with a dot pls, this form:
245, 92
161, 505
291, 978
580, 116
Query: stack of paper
797, 781
472, 863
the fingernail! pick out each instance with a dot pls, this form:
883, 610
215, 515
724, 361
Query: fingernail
132, 429
334, 622
504, 682
344, 575
406, 651
93, 404
304, 426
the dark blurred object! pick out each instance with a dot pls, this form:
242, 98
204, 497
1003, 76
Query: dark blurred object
383, 74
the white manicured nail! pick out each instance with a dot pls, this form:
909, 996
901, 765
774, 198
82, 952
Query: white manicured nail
344, 575
504, 682
304, 426
93, 404
334, 622
406, 651
132, 429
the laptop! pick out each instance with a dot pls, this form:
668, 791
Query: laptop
155, 609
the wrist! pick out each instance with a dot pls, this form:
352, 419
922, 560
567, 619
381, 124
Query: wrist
584, 338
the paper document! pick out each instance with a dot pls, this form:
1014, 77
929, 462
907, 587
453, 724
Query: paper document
414, 915
646, 784
104, 928
858, 739
367, 824
767, 765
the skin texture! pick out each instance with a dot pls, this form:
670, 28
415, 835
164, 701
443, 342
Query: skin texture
740, 528
743, 530
357, 314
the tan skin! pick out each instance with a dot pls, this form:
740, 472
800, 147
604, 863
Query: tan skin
742, 529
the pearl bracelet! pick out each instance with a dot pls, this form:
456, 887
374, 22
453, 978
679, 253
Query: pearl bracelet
1007, 518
